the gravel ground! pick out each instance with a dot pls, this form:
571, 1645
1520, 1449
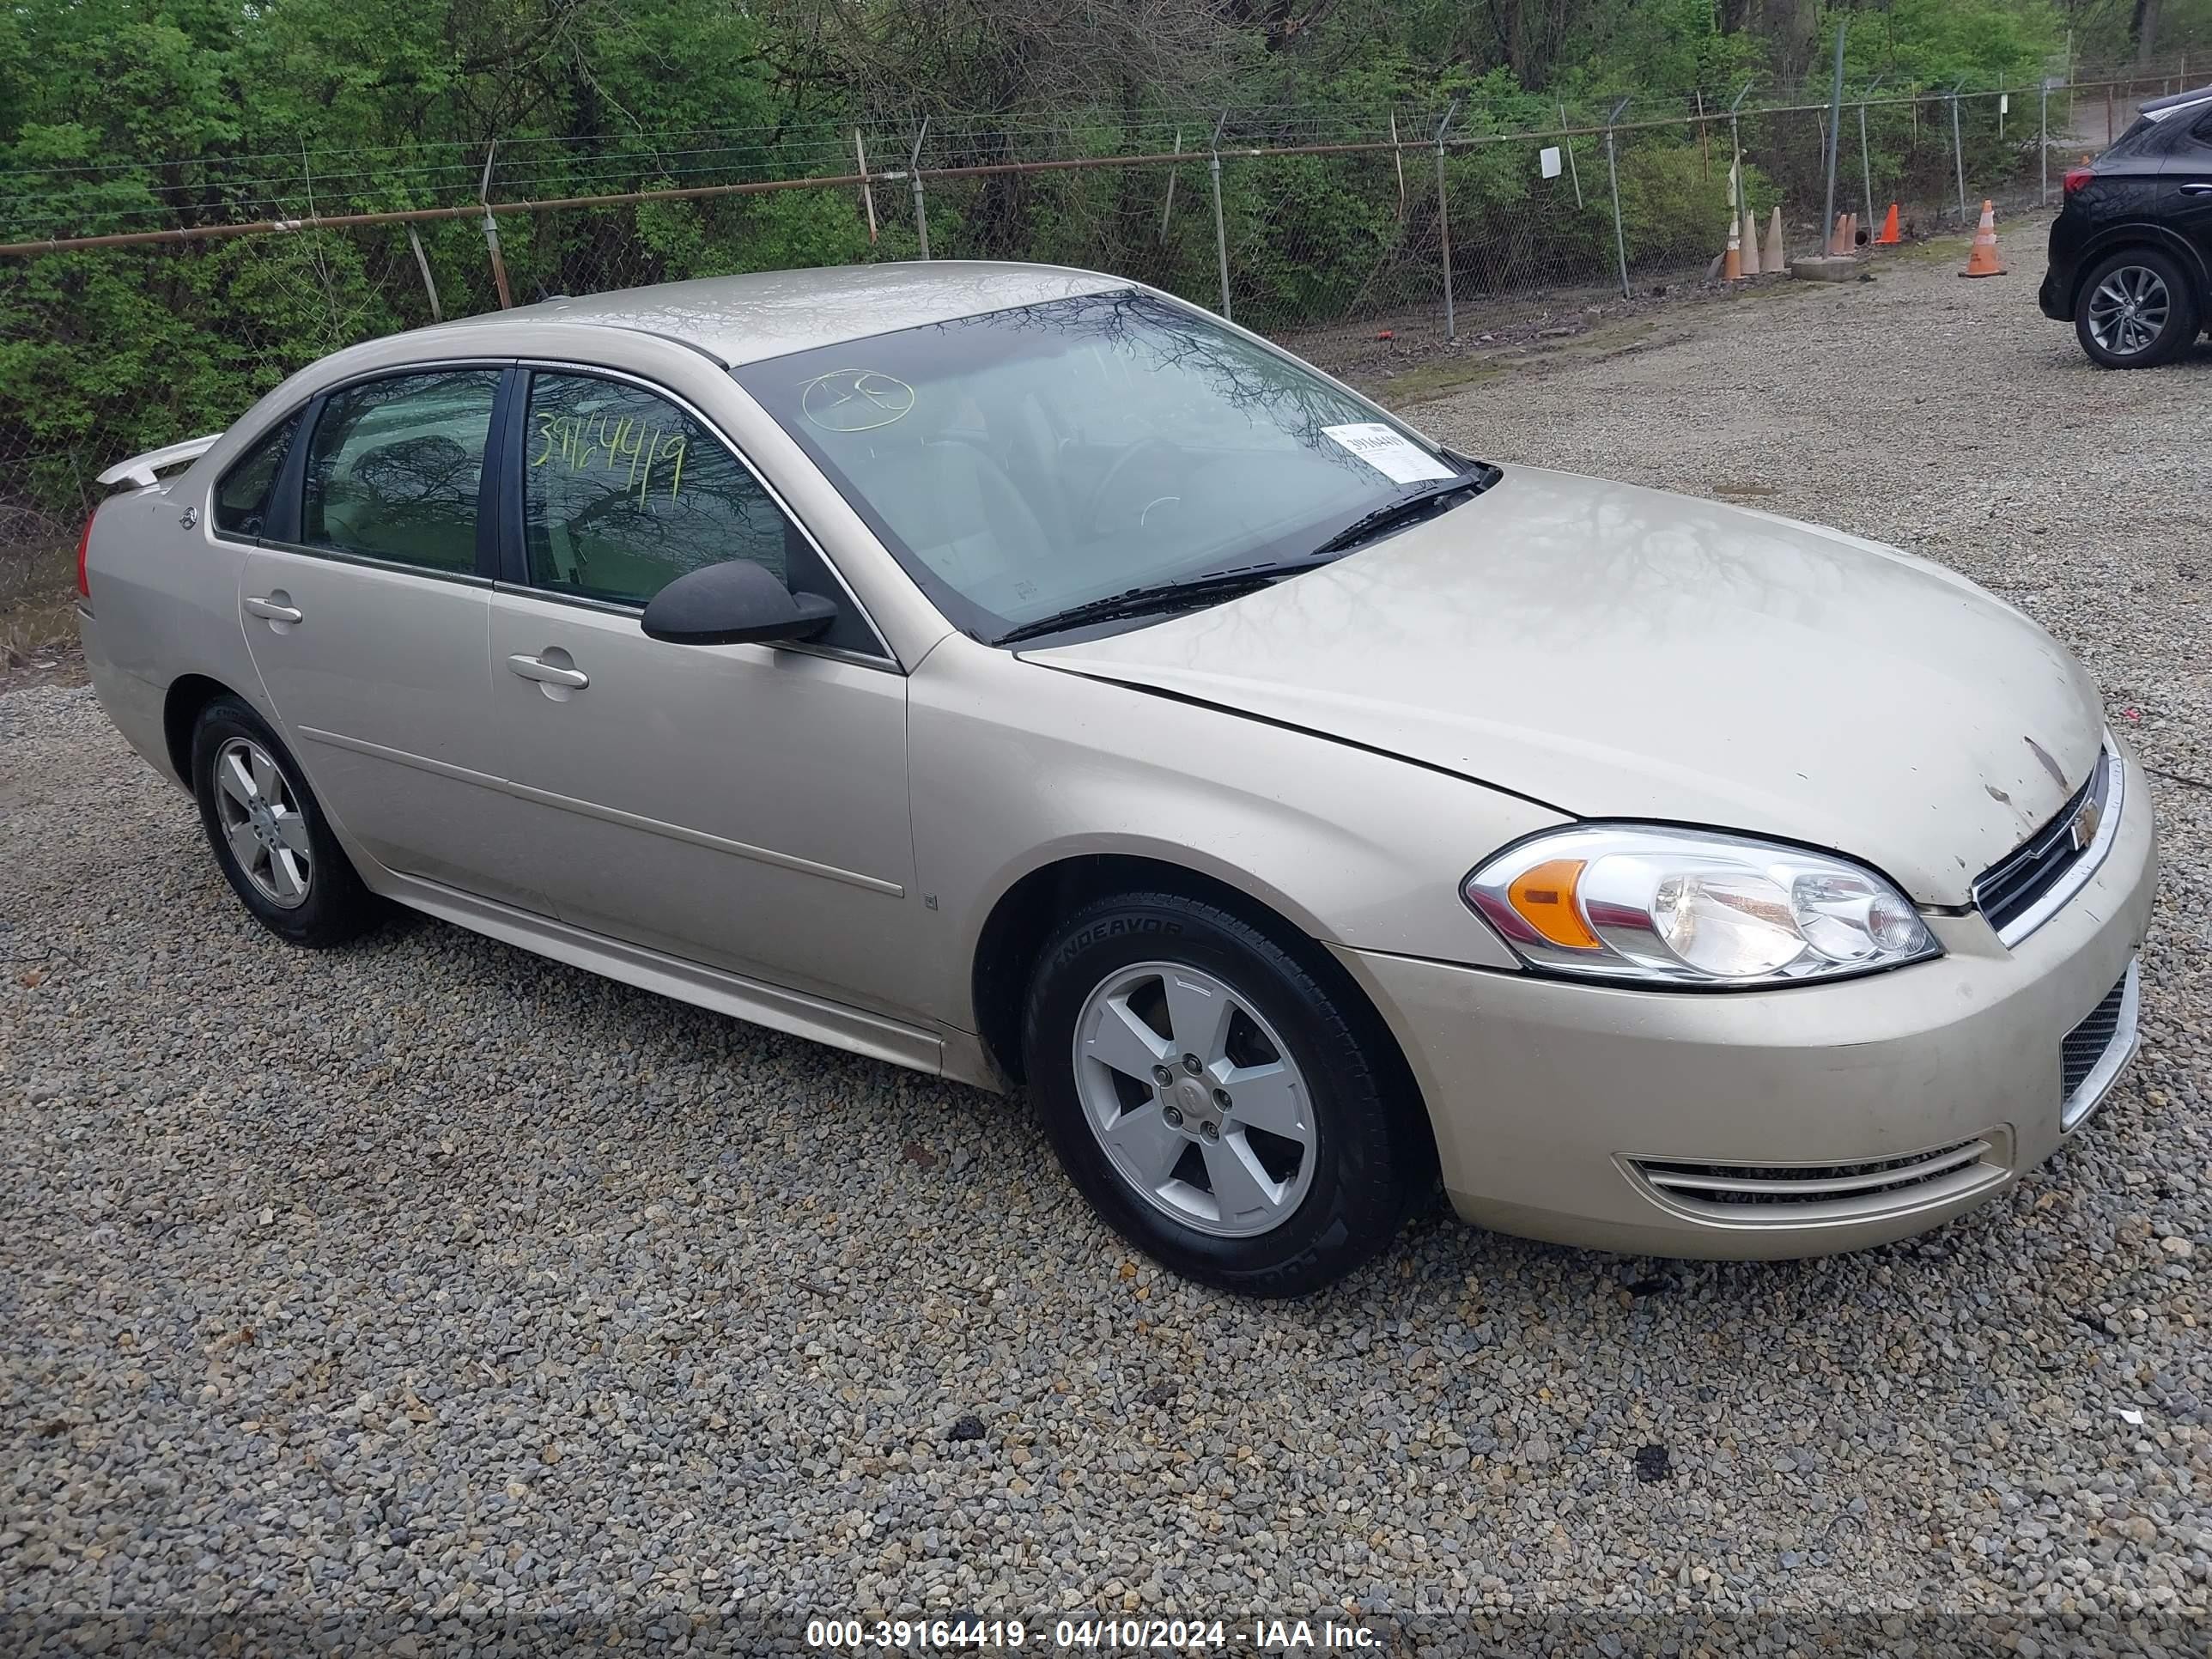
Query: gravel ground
434, 1280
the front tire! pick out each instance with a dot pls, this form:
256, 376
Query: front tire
2135, 309
269, 833
1223, 1108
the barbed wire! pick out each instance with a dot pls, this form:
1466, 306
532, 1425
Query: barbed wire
34, 199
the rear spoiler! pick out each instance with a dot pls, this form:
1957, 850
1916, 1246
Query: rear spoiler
140, 469
2159, 108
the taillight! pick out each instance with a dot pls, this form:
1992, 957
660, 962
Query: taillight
84, 547
2077, 177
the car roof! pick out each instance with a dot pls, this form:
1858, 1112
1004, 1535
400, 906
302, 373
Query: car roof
769, 314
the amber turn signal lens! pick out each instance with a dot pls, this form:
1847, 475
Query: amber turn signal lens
1544, 898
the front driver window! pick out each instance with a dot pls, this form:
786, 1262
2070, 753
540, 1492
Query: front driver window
394, 467
623, 492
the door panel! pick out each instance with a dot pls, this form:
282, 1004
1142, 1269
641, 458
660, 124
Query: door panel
382, 686
367, 615
736, 805
2186, 202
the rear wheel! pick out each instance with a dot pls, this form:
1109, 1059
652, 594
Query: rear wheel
1222, 1108
269, 833
2135, 310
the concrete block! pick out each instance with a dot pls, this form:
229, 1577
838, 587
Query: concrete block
1825, 268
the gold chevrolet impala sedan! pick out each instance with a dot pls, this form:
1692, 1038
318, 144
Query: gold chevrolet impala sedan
1018, 674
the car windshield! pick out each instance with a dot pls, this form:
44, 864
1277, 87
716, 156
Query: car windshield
1023, 462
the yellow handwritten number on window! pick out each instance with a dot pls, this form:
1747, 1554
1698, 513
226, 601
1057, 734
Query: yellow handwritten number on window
620, 444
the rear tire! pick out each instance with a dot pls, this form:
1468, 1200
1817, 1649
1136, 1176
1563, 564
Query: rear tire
1223, 1108
269, 835
2135, 309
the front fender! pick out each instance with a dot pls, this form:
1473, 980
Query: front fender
1015, 766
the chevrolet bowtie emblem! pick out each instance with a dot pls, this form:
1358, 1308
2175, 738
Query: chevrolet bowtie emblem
2083, 829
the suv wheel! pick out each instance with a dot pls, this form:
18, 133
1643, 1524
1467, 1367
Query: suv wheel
269, 833
2135, 311
1224, 1109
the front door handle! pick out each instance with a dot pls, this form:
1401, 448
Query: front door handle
272, 609
2196, 190
548, 673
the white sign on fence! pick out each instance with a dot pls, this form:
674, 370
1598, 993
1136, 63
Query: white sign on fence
2004, 103
1549, 156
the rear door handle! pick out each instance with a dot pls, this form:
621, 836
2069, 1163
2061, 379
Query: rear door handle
546, 673
271, 610
2196, 190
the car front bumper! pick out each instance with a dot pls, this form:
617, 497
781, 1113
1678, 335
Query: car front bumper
1793, 1122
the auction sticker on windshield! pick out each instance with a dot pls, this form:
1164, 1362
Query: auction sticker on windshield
1387, 452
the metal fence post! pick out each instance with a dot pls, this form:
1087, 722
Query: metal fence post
1612, 178
1835, 130
1443, 224
1741, 205
2042, 144
914, 173
423, 264
1567, 142
1866, 164
1220, 229
1167, 206
1958, 153
1398, 160
491, 230
868, 190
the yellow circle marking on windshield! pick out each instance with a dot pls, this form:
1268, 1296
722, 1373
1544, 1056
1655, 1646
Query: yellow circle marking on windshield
855, 400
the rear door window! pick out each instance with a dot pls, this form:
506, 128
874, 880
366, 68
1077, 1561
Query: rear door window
395, 467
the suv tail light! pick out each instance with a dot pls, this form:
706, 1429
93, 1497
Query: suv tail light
84, 547
2077, 177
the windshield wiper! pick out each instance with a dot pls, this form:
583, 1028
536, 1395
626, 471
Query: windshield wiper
1418, 505
1155, 597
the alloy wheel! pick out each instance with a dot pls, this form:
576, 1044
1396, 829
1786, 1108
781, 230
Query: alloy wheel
2128, 310
1194, 1098
259, 811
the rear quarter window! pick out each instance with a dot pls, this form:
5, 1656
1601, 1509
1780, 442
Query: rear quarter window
242, 495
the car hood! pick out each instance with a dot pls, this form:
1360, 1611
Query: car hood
1618, 652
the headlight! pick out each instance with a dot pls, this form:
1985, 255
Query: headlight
1684, 907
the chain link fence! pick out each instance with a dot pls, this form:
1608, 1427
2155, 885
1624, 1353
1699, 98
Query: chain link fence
132, 314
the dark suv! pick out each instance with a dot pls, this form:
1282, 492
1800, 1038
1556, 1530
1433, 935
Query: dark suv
2131, 250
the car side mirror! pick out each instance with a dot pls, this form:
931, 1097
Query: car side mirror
734, 602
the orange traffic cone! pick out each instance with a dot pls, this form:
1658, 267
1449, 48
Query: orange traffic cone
1750, 242
1732, 261
1889, 237
1982, 259
1774, 256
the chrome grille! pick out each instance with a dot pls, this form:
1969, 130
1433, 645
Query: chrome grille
2094, 1052
2016, 893
1794, 1193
